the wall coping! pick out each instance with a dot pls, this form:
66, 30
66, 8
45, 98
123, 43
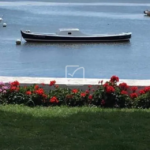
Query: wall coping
70, 81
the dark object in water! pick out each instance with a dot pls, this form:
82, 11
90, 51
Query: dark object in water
73, 35
147, 12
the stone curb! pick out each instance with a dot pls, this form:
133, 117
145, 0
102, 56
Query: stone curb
71, 81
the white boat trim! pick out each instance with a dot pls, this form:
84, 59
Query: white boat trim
94, 35
28, 39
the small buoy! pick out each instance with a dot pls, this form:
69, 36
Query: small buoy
1, 19
18, 42
4, 24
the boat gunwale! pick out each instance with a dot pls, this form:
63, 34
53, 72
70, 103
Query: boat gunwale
86, 36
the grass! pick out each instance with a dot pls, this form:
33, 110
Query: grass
62, 128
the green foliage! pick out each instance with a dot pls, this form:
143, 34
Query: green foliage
107, 95
143, 101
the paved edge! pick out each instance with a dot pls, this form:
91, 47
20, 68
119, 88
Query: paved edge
70, 81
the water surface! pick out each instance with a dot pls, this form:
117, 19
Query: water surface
128, 60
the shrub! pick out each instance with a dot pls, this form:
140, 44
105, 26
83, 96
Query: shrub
143, 100
108, 94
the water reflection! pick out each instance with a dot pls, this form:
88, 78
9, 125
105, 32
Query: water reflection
74, 44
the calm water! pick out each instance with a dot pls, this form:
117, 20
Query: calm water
129, 60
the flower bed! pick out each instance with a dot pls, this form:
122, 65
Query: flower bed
108, 94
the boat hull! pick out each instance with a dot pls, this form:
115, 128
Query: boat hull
30, 37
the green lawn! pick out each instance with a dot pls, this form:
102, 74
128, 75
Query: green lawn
62, 128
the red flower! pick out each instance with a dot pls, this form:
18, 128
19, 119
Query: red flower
15, 83
142, 92
44, 96
87, 92
83, 94
103, 102
100, 82
89, 86
123, 86
39, 91
90, 97
124, 92
28, 92
134, 88
105, 85
52, 83
13, 88
54, 100
75, 91
36, 87
110, 89
147, 89
56, 86
17, 89
114, 79
133, 95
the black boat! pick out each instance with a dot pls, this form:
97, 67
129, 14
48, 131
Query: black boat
73, 35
